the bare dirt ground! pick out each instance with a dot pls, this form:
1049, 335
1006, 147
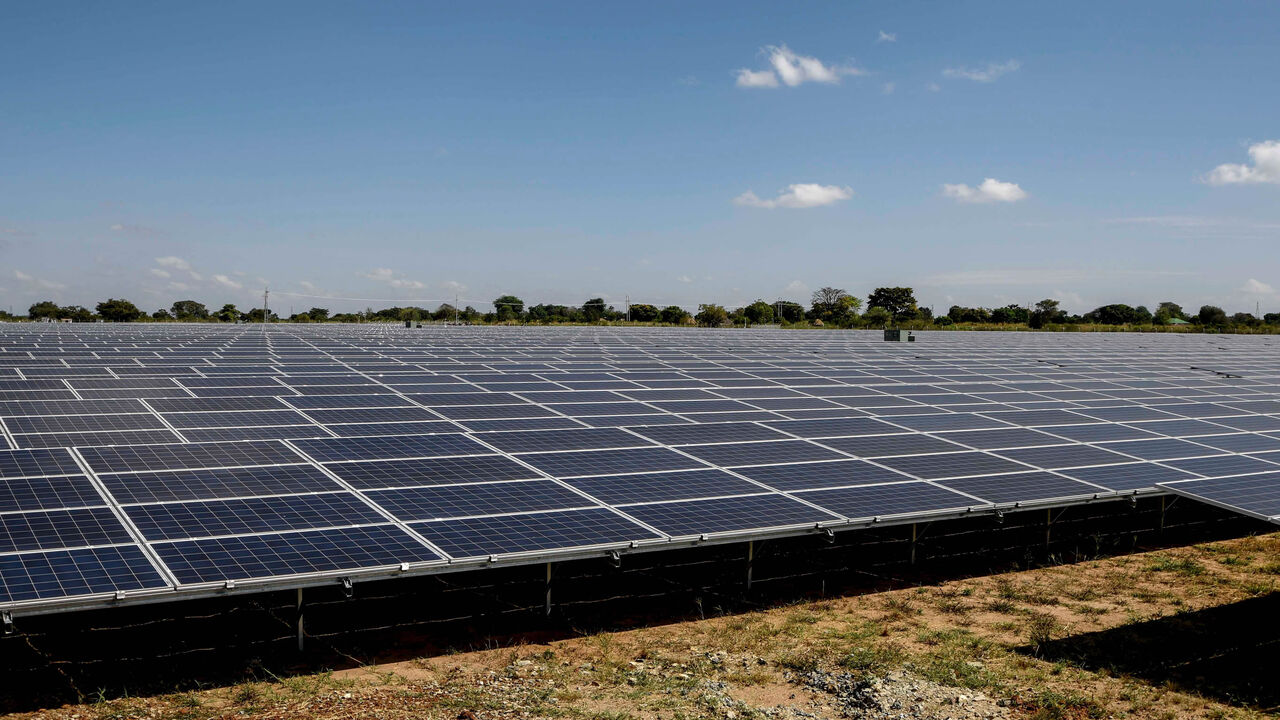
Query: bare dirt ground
1176, 633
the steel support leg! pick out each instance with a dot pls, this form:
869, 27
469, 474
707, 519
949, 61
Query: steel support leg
751, 559
298, 622
547, 608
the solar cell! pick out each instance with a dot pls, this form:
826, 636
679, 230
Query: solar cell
387, 448
730, 514
293, 553
932, 467
139, 458
63, 574
453, 501
622, 489
905, 498
44, 530
568, 529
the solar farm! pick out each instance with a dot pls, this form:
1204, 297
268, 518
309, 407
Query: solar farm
158, 463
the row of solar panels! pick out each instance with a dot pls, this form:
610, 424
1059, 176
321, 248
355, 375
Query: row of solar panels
531, 453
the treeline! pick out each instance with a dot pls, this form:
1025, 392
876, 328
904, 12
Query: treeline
828, 307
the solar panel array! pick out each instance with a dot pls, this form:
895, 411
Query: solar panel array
167, 461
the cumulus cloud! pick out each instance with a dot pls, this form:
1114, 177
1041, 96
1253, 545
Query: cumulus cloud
991, 190
982, 74
791, 70
138, 230
1265, 168
37, 282
172, 261
227, 282
158, 272
1256, 287
684, 279
800, 195
887, 37
389, 277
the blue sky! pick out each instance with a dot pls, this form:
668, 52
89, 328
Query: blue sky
677, 153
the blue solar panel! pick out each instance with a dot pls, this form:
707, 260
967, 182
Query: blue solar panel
799, 476
293, 553
620, 489
610, 462
220, 483
212, 518
746, 512
451, 501
1021, 487
1256, 495
70, 573
141, 458
480, 537
387, 448
868, 501
44, 530
34, 463
47, 493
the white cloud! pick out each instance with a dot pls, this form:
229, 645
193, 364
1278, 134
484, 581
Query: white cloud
1265, 168
800, 195
1043, 276
158, 272
792, 70
139, 230
991, 190
171, 261
684, 279
181, 286
225, 281
388, 276
38, 282
887, 37
984, 74
308, 285
757, 79
796, 287
454, 285
1257, 287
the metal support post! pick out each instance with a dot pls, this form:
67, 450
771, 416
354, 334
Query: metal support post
547, 609
914, 537
751, 559
298, 622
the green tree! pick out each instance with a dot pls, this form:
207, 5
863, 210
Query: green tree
228, 313
318, 314
1010, 314
877, 317
508, 307
969, 315
188, 310
758, 313
161, 314
791, 312
1212, 316
300, 318
444, 312
833, 305
75, 313
255, 316
118, 310
593, 309
1114, 314
43, 309
644, 312
1046, 312
1271, 318
674, 315
1244, 319
711, 315
899, 301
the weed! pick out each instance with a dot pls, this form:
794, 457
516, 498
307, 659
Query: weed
1182, 566
1040, 629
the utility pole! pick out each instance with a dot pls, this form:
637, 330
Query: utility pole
265, 312
628, 308
455, 308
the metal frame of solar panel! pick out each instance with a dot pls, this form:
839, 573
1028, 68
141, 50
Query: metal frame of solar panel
149, 463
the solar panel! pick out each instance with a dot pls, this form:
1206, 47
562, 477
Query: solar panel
481, 537
1255, 495
295, 553
309, 450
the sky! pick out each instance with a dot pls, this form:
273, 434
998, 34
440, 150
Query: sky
348, 155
